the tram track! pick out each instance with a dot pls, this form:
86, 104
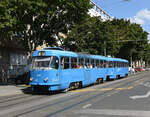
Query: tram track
104, 93
18, 102
14, 97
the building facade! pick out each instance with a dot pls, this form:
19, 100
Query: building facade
13, 61
97, 11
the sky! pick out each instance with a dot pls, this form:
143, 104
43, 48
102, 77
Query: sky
138, 11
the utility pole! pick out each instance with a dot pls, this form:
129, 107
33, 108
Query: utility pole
105, 54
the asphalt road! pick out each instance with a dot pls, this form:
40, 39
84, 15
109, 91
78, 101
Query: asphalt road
128, 97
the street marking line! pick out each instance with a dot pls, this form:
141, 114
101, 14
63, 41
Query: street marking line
140, 96
83, 90
131, 87
125, 88
106, 89
120, 88
87, 106
102, 89
111, 112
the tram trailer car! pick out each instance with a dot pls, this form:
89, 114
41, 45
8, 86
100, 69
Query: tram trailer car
56, 69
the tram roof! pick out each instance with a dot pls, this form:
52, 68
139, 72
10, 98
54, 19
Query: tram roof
53, 52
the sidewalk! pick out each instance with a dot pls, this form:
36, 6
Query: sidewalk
8, 90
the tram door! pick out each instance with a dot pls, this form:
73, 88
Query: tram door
87, 72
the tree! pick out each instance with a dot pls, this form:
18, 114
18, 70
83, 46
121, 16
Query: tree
6, 22
86, 37
119, 37
146, 56
136, 42
38, 21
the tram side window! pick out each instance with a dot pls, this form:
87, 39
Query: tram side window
101, 63
105, 64
97, 64
110, 64
65, 62
81, 63
87, 63
73, 63
93, 63
123, 64
127, 64
115, 65
118, 64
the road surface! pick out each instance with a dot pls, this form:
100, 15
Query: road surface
128, 97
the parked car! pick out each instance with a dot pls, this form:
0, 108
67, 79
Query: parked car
147, 69
139, 69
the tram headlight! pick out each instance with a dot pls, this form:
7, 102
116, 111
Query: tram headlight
31, 79
45, 79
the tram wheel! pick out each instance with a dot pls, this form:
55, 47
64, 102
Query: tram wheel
117, 77
99, 81
107, 79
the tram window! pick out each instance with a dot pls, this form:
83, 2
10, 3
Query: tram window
118, 64
87, 63
101, 63
73, 63
65, 62
105, 64
121, 64
115, 64
55, 62
81, 63
45, 62
93, 63
127, 64
110, 64
97, 63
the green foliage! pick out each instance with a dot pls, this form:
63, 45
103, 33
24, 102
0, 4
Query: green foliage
34, 22
146, 55
123, 39
38, 21
86, 37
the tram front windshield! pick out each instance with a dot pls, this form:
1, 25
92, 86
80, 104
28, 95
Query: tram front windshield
47, 62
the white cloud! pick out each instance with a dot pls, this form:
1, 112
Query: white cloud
144, 14
137, 20
141, 17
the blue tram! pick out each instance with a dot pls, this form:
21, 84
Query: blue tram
56, 69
